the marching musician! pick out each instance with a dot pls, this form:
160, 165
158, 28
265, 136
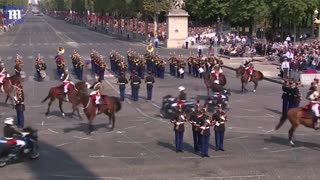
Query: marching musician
40, 66
3, 75
122, 81
178, 120
18, 65
219, 118
250, 70
60, 61
194, 121
19, 105
149, 82
204, 126
285, 97
101, 69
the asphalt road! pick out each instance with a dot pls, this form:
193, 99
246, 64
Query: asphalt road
142, 144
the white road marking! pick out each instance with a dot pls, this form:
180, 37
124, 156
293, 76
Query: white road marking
59, 145
53, 131
82, 138
15, 45
84, 177
113, 157
269, 131
155, 105
130, 127
9, 57
24, 44
232, 177
131, 142
42, 123
242, 137
30, 57
289, 149
51, 57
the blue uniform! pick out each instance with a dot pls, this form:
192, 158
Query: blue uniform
149, 81
178, 129
205, 135
122, 81
219, 129
135, 86
19, 98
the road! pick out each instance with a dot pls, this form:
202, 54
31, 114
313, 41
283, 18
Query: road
142, 144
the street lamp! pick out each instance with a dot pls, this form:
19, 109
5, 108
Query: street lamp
316, 21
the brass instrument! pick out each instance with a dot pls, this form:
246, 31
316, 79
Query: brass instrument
150, 48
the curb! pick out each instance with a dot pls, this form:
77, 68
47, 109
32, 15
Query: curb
265, 78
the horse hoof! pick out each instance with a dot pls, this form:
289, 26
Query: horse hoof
254, 90
110, 126
47, 113
292, 144
63, 115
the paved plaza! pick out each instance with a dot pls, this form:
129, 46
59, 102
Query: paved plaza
142, 144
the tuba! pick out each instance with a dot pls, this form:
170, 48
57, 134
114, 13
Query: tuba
150, 48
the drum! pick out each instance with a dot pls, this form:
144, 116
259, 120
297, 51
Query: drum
23, 75
181, 71
43, 74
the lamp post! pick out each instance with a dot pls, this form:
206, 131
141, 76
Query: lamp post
216, 38
317, 22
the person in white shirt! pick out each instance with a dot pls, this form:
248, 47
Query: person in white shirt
285, 66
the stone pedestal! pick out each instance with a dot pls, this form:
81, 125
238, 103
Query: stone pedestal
177, 28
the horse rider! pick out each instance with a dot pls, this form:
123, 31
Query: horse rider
66, 85
10, 133
3, 75
245, 62
250, 70
182, 95
315, 105
285, 97
215, 74
18, 66
96, 94
122, 81
60, 61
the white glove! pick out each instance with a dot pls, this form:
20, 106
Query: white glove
24, 134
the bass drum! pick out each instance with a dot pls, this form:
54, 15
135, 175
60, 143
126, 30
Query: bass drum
23, 75
43, 74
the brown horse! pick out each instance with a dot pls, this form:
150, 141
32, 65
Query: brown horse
8, 87
208, 81
257, 76
90, 109
296, 117
57, 93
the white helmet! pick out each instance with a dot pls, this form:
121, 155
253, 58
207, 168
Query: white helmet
9, 121
181, 88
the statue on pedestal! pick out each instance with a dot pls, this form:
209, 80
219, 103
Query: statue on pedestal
177, 4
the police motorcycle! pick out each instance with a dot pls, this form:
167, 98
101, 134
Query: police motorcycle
219, 97
11, 153
170, 106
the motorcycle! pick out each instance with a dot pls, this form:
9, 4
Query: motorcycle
219, 98
10, 153
169, 107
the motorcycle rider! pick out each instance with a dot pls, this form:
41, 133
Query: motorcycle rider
182, 95
9, 133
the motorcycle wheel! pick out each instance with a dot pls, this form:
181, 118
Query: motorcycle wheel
35, 152
3, 163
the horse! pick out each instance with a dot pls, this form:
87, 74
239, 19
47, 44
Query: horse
296, 117
257, 76
57, 93
90, 109
208, 81
8, 87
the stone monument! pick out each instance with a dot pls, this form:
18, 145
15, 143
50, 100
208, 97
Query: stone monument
177, 25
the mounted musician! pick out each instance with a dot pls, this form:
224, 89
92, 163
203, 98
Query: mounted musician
18, 66
97, 97
66, 85
250, 70
60, 61
215, 74
3, 75
314, 106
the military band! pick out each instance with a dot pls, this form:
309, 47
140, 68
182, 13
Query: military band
78, 64
122, 81
19, 105
60, 61
40, 66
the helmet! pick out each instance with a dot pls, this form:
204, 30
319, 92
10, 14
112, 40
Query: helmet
9, 121
181, 88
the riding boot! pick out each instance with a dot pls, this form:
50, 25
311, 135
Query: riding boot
317, 124
98, 108
66, 97
251, 77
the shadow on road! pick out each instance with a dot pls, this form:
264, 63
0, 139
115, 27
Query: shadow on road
54, 163
285, 141
273, 110
186, 147
83, 127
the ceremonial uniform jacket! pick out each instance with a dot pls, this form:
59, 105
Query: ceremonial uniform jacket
182, 96
135, 81
285, 90
178, 122
217, 117
204, 125
19, 98
194, 121
149, 81
122, 81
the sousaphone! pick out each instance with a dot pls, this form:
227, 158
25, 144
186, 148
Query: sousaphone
150, 48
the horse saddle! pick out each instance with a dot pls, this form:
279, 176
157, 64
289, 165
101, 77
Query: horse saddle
306, 112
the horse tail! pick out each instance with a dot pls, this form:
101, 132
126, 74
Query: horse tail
261, 75
45, 99
283, 119
118, 104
